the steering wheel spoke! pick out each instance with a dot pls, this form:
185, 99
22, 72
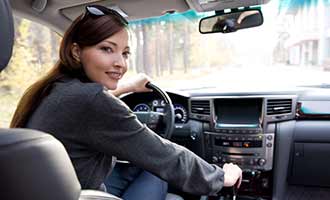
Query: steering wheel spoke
150, 118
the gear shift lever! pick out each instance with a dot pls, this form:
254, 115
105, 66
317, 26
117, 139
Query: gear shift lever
234, 192
228, 192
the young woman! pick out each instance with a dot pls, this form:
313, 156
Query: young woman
73, 103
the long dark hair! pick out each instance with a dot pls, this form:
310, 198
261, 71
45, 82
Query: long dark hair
86, 30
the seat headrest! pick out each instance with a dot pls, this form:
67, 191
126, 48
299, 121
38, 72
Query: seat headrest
6, 33
35, 165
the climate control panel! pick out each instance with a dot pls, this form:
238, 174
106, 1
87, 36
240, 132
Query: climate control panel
249, 151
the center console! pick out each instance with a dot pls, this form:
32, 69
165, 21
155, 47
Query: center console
237, 133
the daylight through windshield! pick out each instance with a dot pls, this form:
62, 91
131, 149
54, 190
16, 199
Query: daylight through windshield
291, 48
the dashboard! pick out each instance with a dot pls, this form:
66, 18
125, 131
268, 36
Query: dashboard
146, 102
270, 135
157, 105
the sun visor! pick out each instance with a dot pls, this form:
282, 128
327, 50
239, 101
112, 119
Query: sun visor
211, 5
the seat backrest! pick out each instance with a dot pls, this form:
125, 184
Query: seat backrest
6, 33
33, 166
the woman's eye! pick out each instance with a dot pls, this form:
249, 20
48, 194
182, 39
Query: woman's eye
107, 49
126, 54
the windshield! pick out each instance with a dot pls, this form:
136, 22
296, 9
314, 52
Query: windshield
291, 48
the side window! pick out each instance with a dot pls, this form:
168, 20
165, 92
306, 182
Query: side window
35, 52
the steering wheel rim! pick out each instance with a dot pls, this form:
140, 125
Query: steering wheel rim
169, 115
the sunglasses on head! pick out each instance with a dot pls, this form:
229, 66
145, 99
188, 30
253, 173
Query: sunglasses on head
98, 11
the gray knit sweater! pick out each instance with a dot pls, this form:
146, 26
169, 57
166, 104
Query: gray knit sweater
95, 127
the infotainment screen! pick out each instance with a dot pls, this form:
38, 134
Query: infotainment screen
238, 112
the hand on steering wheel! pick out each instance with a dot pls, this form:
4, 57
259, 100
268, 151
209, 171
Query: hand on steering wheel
155, 118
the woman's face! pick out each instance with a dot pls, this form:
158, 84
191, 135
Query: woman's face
106, 62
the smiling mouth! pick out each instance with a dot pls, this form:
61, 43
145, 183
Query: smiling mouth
114, 75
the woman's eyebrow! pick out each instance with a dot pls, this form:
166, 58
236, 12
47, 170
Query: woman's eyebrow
110, 42
115, 44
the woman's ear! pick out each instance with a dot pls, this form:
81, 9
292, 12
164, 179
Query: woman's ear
75, 51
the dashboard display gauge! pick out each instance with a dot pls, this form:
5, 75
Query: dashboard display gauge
142, 107
181, 115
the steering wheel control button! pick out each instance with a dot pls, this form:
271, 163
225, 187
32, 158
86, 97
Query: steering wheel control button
155, 102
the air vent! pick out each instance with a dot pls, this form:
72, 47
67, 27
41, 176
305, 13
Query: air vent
201, 107
279, 106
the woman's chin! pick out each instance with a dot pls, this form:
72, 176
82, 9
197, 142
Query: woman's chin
111, 86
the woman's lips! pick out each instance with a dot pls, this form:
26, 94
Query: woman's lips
114, 75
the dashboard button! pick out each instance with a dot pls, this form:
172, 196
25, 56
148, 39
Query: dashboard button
261, 162
269, 137
223, 138
226, 144
269, 145
259, 137
214, 159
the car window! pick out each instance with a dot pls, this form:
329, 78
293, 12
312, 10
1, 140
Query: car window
35, 52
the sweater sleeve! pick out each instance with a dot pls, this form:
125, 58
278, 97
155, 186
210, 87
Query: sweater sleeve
114, 129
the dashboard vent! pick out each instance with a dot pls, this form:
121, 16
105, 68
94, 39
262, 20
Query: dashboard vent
279, 106
200, 107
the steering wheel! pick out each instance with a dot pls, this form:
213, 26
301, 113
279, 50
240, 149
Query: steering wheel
153, 119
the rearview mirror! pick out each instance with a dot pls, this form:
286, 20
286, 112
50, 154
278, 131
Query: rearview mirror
231, 22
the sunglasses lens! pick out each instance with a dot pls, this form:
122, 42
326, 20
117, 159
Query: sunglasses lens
95, 11
100, 11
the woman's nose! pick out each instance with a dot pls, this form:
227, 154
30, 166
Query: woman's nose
120, 61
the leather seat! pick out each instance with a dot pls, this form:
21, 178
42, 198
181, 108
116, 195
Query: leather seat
34, 165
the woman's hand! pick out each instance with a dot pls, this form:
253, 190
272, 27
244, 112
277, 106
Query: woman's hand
138, 83
233, 174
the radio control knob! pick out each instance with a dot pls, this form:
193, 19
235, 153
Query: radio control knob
261, 162
269, 137
214, 159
